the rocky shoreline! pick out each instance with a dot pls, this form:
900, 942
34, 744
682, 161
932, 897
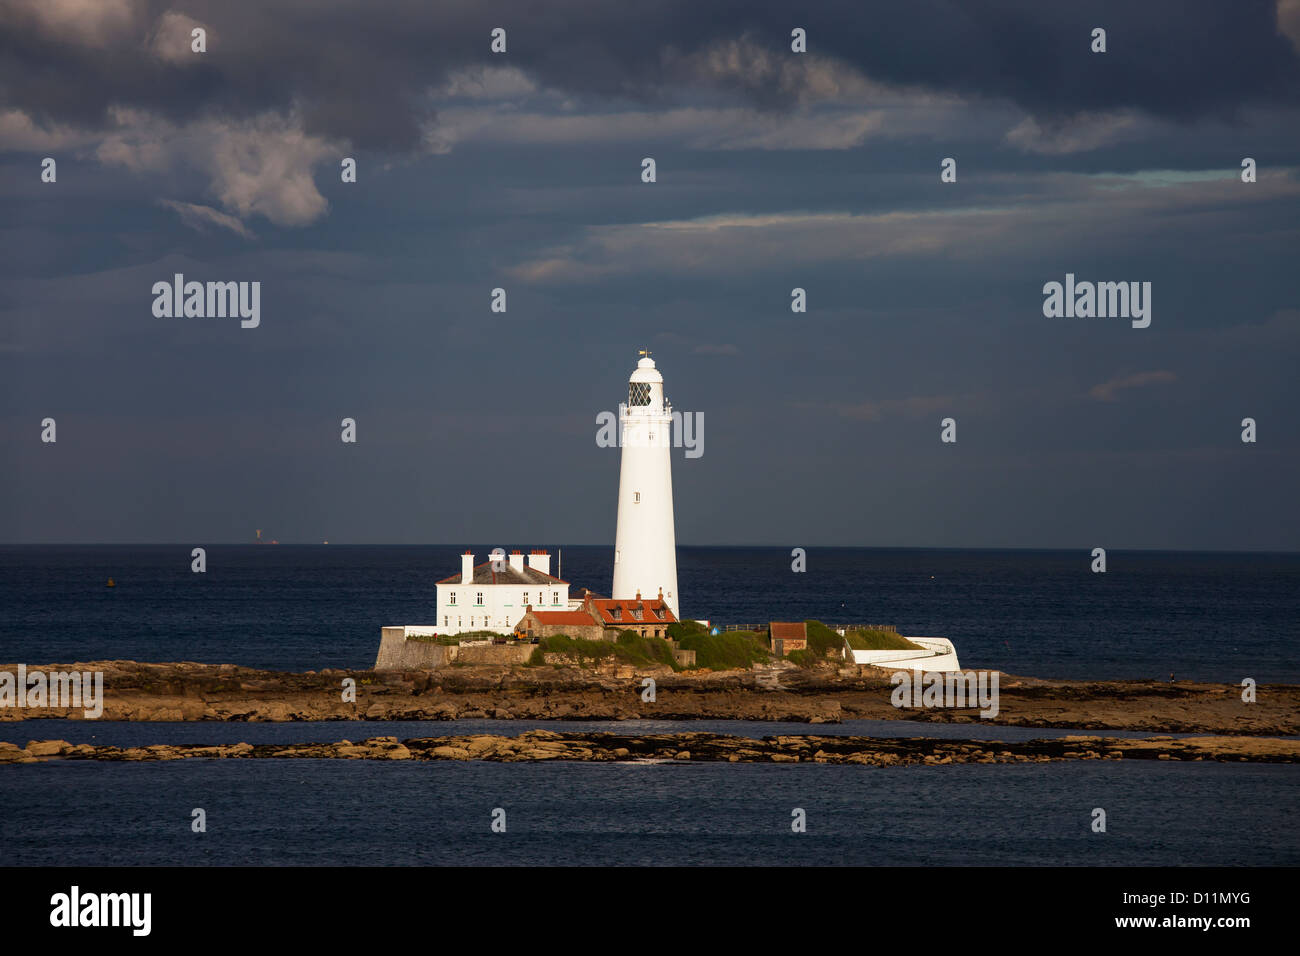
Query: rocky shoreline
541, 745
198, 692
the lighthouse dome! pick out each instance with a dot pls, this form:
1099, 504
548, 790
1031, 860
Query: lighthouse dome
646, 372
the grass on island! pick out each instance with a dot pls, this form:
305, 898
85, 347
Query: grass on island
729, 650
824, 640
630, 648
446, 640
454, 640
880, 641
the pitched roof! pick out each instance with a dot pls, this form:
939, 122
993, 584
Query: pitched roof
623, 611
788, 631
581, 618
483, 574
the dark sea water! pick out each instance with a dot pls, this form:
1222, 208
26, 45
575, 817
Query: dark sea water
289, 812
1200, 616
125, 733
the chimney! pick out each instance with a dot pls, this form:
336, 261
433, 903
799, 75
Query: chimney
517, 560
540, 561
467, 567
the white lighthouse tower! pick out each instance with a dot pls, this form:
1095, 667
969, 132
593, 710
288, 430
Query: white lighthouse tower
645, 544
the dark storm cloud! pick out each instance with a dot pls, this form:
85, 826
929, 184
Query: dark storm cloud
361, 71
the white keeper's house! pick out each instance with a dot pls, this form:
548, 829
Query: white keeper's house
487, 598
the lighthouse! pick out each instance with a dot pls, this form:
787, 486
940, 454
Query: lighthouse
645, 543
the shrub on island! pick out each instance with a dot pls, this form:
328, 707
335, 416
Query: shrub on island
679, 629
630, 648
880, 641
822, 640
731, 650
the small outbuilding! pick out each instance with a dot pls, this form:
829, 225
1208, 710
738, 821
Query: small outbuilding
577, 624
786, 636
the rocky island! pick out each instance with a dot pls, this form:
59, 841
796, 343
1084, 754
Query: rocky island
823, 694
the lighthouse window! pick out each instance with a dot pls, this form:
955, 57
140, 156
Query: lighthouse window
638, 393
479, 599
452, 600
636, 497
555, 597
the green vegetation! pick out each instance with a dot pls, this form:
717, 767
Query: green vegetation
630, 648
726, 651
538, 657
805, 658
452, 640
679, 629
822, 640
880, 641
446, 640
464, 636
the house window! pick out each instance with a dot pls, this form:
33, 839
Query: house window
479, 601
616, 614
555, 597
452, 599
526, 599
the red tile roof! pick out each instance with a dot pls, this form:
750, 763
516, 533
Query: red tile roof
605, 607
788, 631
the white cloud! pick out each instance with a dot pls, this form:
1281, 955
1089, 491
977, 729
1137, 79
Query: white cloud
259, 166
1080, 134
739, 242
19, 132
91, 23
172, 38
1109, 391
1288, 21
200, 218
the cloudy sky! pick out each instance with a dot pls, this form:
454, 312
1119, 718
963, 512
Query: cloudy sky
775, 170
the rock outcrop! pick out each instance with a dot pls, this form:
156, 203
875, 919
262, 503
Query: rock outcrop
225, 692
541, 745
